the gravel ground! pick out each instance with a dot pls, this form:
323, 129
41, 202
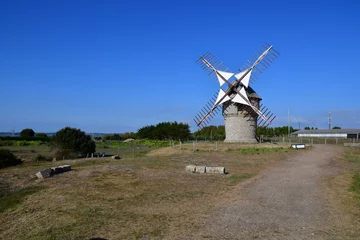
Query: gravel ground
285, 202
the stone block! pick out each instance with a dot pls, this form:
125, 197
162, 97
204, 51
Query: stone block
200, 169
56, 170
66, 168
217, 170
44, 173
190, 168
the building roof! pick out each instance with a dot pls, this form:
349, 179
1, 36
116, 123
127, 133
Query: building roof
251, 93
328, 131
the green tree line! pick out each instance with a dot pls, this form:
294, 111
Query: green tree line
210, 133
275, 131
165, 131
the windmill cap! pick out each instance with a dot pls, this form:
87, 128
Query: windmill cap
252, 94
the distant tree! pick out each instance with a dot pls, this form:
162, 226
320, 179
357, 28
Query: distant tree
306, 128
211, 133
336, 127
127, 135
73, 141
165, 130
277, 131
42, 135
27, 132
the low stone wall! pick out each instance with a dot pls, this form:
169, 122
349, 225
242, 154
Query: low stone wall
49, 172
204, 169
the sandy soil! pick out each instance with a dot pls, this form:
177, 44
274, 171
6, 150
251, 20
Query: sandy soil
285, 202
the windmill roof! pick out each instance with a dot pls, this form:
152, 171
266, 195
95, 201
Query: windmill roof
252, 94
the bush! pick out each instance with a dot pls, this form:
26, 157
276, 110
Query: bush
8, 159
27, 132
6, 143
73, 142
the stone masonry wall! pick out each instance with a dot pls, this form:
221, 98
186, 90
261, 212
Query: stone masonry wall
240, 125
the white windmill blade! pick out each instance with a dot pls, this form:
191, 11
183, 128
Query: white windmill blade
242, 98
262, 56
221, 98
244, 77
222, 76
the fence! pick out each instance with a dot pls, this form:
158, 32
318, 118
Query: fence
308, 140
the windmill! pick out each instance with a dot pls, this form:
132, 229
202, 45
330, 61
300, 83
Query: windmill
238, 102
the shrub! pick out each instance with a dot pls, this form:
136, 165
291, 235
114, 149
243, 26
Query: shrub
8, 159
27, 132
73, 141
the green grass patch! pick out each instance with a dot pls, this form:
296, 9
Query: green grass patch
234, 179
12, 199
355, 186
180, 196
353, 158
94, 162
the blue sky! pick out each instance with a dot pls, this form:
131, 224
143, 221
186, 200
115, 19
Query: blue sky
115, 66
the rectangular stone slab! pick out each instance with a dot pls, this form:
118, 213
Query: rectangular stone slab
44, 173
66, 168
56, 170
218, 170
190, 168
200, 169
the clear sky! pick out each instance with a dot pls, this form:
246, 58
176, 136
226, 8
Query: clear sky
115, 66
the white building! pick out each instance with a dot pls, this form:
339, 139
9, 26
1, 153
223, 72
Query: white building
328, 133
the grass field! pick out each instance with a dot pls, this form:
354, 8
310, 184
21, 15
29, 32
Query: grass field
142, 195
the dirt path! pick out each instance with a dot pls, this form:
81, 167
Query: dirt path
286, 202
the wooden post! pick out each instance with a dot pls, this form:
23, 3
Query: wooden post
193, 146
325, 140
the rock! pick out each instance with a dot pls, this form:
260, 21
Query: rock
200, 169
48, 172
115, 157
44, 173
218, 170
56, 170
190, 168
66, 168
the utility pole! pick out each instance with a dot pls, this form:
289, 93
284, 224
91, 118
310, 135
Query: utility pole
289, 122
329, 120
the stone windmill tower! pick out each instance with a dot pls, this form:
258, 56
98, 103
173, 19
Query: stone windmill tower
239, 103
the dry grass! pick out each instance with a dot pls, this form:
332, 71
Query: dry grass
132, 198
339, 194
